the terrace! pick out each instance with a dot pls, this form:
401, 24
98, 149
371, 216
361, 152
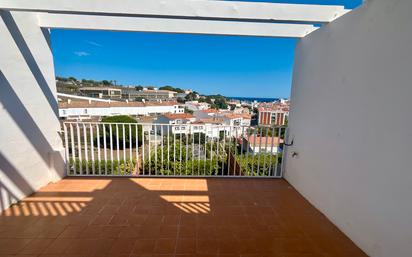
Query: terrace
169, 217
337, 178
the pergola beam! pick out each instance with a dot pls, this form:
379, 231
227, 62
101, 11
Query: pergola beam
194, 9
184, 26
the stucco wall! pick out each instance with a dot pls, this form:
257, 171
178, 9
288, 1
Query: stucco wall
30, 146
351, 98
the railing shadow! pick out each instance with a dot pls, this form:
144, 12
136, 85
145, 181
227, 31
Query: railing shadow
105, 212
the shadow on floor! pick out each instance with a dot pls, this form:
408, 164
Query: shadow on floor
169, 217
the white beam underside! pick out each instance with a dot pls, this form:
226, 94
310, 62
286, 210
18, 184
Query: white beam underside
185, 8
184, 26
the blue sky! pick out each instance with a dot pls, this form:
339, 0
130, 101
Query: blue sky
231, 66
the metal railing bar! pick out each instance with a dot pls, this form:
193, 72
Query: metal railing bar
118, 150
66, 146
105, 149
271, 152
111, 149
155, 147
265, 152
98, 148
79, 149
86, 155
73, 149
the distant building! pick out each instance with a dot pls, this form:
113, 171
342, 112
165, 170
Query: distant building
102, 92
205, 114
176, 118
148, 94
255, 144
196, 106
181, 95
178, 121
83, 110
273, 114
234, 119
241, 110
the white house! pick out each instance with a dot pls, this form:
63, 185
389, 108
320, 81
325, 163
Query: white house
80, 110
254, 144
196, 106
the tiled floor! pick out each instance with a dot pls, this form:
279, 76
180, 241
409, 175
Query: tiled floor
169, 217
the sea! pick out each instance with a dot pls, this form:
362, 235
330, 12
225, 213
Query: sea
252, 99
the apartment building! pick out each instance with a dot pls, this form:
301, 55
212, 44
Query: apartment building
102, 92
256, 145
148, 94
84, 110
196, 106
273, 114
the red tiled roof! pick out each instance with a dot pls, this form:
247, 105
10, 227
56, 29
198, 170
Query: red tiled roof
174, 116
211, 120
262, 141
210, 111
238, 115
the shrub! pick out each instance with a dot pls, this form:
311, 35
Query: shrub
120, 167
127, 129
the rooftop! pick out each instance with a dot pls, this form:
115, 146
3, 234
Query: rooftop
264, 140
211, 120
100, 88
237, 116
209, 111
158, 91
173, 116
95, 104
169, 217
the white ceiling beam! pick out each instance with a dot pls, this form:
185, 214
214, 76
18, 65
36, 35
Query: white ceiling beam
164, 25
184, 9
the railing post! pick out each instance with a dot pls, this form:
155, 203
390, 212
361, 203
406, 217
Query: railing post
66, 146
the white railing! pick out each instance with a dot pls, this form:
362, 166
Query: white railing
136, 149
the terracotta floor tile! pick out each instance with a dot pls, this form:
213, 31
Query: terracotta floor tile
58, 246
144, 246
165, 246
186, 246
13, 246
81, 247
72, 231
292, 245
164, 217
130, 232
123, 246
101, 220
36, 246
207, 246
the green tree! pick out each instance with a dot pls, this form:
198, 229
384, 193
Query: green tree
187, 110
127, 130
138, 88
107, 83
191, 96
174, 89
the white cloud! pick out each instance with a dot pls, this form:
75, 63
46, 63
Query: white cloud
81, 53
93, 43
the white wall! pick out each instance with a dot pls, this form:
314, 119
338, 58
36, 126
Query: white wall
30, 146
110, 111
351, 98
